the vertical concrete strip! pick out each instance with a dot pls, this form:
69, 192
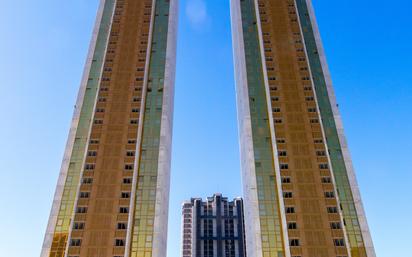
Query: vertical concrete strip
164, 161
252, 220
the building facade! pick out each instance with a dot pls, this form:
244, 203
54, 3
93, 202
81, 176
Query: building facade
213, 228
113, 190
300, 193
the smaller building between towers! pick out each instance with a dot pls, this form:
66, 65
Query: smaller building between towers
213, 228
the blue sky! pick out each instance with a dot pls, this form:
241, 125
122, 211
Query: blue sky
44, 44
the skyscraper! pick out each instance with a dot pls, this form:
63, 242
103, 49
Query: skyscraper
113, 189
213, 228
300, 193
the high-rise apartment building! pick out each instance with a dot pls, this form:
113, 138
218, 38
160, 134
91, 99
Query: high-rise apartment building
113, 190
213, 228
300, 193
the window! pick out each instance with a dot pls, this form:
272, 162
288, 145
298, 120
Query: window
323, 166
124, 210
276, 109
81, 210
75, 242
314, 121
326, 180
84, 194
99, 110
89, 166
329, 194
311, 109
87, 180
292, 225
94, 141
294, 242
78, 225
286, 180
131, 141
134, 121
287, 194
282, 153
121, 226
130, 153
321, 153
135, 110
98, 121
332, 209
290, 209
309, 98
278, 121
128, 166
280, 141
335, 225
318, 141
125, 195
284, 166
339, 242
127, 180
92, 153
119, 242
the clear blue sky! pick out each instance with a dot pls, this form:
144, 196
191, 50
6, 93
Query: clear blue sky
43, 47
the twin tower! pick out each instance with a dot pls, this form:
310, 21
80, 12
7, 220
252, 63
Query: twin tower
301, 197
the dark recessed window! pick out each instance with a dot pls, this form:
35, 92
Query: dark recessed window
290, 209
332, 209
329, 194
127, 180
87, 180
294, 242
121, 226
81, 210
286, 180
75, 242
125, 195
119, 242
84, 194
326, 180
335, 225
292, 225
124, 210
339, 242
78, 225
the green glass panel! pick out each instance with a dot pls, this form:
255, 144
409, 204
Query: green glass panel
269, 213
142, 233
338, 164
81, 136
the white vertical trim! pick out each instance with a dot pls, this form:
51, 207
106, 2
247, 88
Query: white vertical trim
281, 205
251, 204
370, 251
48, 238
130, 223
323, 134
165, 144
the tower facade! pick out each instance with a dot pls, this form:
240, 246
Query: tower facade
113, 190
213, 228
300, 193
